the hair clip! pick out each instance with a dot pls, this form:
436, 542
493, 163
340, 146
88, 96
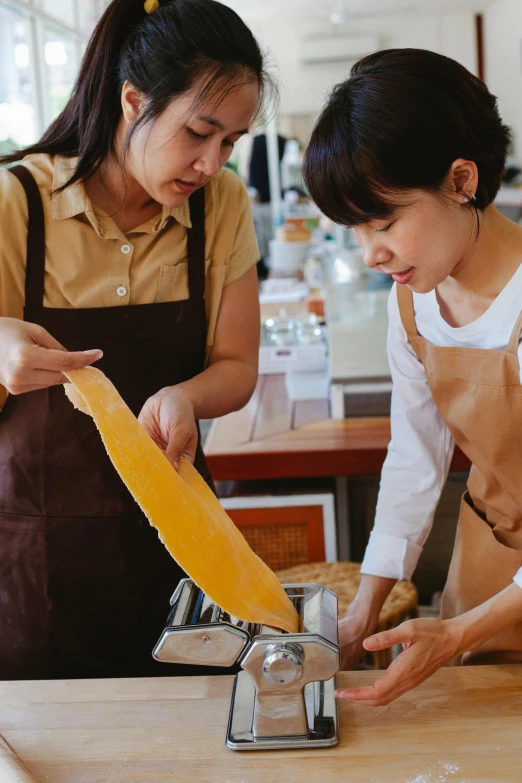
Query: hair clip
151, 5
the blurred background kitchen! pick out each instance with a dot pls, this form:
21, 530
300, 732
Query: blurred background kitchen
298, 469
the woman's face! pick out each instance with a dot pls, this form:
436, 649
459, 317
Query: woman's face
183, 148
424, 241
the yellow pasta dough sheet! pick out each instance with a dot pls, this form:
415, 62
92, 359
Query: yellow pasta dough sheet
190, 521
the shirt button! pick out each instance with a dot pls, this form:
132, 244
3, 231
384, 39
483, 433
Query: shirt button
121, 291
126, 249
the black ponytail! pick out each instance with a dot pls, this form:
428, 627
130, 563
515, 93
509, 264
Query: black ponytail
163, 55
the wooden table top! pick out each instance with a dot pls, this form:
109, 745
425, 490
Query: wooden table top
275, 437
462, 725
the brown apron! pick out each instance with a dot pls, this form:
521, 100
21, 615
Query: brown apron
84, 580
479, 396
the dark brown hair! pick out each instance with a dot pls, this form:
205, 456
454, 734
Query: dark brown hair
398, 123
163, 55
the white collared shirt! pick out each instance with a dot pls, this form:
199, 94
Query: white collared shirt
421, 448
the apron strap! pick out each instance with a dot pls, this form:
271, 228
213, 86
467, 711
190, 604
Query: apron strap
407, 311
196, 245
35, 260
515, 337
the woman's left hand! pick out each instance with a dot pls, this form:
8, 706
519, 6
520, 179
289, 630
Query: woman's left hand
428, 645
169, 419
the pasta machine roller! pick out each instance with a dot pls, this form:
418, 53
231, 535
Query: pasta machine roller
284, 695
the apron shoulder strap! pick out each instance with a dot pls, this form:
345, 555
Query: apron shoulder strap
515, 336
407, 313
196, 245
35, 262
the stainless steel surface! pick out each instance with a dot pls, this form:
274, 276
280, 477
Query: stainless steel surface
280, 708
282, 665
284, 696
205, 645
322, 728
199, 632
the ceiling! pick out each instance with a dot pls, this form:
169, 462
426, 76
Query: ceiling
264, 9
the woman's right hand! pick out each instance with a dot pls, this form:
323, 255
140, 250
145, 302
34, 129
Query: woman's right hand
353, 630
30, 358
362, 617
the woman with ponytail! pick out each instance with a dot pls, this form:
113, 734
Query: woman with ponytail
125, 243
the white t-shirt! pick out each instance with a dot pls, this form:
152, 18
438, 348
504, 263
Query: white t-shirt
421, 448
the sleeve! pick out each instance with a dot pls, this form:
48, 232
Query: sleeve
13, 249
416, 466
13, 245
518, 578
244, 251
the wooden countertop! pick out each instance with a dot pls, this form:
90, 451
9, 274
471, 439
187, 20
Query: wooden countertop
274, 437
463, 725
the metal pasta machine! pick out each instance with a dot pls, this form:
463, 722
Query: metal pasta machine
284, 695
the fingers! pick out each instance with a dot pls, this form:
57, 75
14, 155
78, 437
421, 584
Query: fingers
392, 684
403, 634
42, 338
179, 446
169, 420
408, 670
39, 379
63, 361
189, 452
40, 368
31, 358
427, 645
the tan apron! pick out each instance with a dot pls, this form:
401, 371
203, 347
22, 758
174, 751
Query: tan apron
479, 396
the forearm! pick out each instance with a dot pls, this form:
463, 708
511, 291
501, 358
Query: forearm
225, 386
371, 595
489, 619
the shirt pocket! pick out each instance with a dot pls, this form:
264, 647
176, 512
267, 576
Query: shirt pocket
172, 283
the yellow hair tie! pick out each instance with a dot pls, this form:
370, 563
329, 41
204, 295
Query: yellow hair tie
151, 5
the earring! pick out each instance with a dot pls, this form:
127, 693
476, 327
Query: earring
469, 196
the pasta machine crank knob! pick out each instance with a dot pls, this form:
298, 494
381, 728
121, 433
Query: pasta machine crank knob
282, 666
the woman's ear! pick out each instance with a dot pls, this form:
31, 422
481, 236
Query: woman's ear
462, 180
131, 102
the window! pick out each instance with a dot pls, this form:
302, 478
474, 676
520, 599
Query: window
41, 44
63, 10
61, 60
17, 98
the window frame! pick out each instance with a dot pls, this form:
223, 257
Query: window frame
38, 19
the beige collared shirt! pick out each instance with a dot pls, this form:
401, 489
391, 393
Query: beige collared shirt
89, 262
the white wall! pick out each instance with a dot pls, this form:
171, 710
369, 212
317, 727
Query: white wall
503, 63
304, 87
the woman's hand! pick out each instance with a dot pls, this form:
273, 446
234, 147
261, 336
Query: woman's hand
169, 419
353, 629
362, 617
30, 358
428, 645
